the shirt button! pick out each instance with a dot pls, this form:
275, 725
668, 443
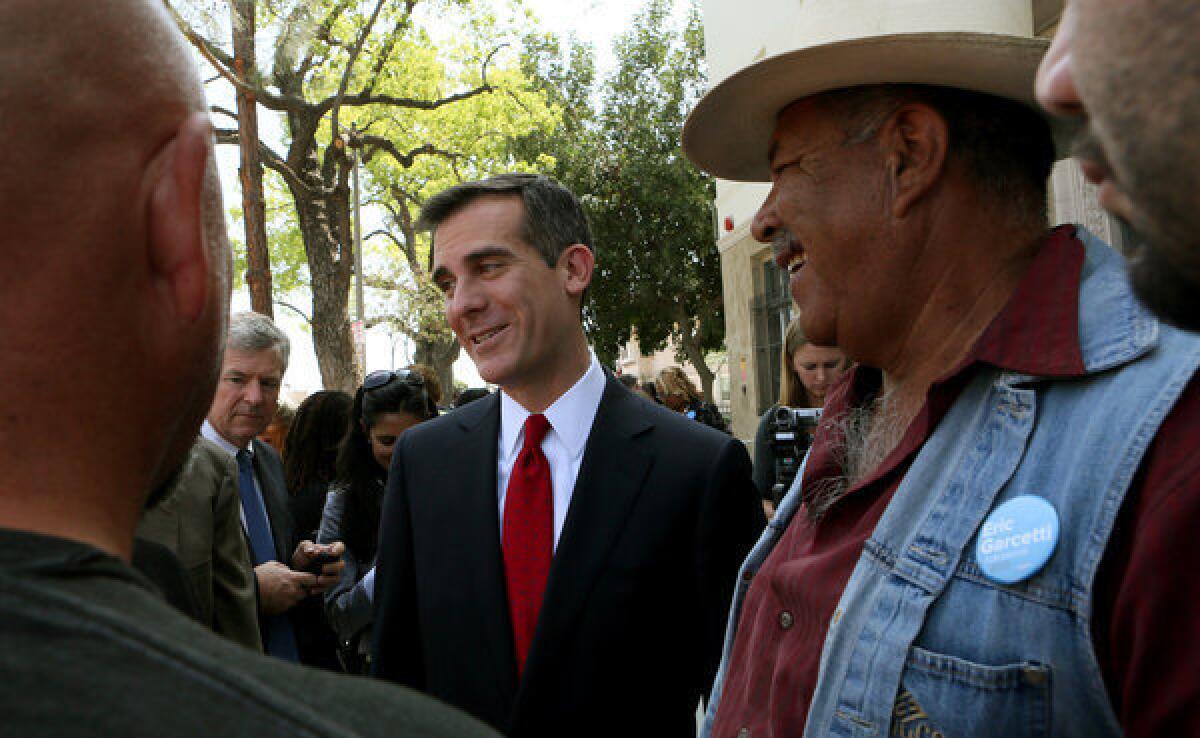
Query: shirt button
747, 575
744, 733
786, 620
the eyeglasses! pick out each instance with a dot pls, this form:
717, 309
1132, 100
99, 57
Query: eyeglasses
384, 377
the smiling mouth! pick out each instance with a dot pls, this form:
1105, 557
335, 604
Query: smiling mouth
480, 339
789, 254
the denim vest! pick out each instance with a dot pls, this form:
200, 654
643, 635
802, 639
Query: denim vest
921, 642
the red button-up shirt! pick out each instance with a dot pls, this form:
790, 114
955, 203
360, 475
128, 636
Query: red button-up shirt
1145, 629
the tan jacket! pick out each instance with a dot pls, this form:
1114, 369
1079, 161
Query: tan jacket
200, 521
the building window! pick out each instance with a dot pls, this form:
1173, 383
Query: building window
772, 309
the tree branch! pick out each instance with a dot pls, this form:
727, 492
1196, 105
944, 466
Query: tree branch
222, 111
269, 158
371, 144
345, 82
389, 234
366, 97
294, 309
223, 64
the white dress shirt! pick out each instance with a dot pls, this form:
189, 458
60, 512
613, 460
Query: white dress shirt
571, 417
211, 434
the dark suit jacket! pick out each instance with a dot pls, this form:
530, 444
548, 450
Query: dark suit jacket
630, 630
314, 638
199, 521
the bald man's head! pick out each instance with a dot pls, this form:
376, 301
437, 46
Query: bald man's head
91, 92
114, 262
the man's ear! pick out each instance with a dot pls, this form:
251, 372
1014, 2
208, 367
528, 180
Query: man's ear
178, 254
578, 262
917, 142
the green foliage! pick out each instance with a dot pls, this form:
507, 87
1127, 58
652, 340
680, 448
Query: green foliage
658, 271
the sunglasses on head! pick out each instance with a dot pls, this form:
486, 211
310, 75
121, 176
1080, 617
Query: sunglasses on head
384, 377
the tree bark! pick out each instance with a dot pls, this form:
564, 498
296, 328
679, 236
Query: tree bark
258, 259
439, 355
690, 344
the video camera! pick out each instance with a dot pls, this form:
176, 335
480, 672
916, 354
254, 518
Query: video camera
791, 434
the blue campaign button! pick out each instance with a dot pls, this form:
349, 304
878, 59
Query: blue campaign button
1017, 539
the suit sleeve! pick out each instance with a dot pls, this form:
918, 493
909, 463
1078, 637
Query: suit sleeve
731, 520
396, 648
235, 604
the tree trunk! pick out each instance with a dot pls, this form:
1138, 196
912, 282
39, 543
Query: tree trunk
330, 265
695, 357
439, 355
258, 259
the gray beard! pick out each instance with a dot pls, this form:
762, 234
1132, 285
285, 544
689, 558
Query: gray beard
869, 432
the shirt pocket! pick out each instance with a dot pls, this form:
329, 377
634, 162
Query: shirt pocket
943, 696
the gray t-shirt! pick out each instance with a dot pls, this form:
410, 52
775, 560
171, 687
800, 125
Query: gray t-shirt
88, 648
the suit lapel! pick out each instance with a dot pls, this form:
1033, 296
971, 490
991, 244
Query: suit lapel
470, 507
610, 479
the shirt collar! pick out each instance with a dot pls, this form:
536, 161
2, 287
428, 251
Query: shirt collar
1037, 332
570, 416
211, 434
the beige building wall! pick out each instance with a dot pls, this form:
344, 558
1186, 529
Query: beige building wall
738, 34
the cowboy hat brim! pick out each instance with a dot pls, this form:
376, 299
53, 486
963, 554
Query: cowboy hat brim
728, 132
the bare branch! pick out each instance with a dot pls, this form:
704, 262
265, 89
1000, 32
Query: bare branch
269, 158
223, 64
385, 50
222, 111
294, 309
323, 31
354, 54
371, 144
381, 232
366, 97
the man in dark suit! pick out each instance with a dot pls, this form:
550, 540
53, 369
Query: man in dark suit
569, 571
256, 355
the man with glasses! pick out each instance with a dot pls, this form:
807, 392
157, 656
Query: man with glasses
555, 558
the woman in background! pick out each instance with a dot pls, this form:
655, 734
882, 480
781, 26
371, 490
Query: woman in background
807, 372
386, 405
677, 392
310, 454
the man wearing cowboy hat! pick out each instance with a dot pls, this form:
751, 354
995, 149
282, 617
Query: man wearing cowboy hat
1130, 70
982, 541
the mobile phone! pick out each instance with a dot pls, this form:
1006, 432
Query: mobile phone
318, 563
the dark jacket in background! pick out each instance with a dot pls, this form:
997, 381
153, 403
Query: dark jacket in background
314, 639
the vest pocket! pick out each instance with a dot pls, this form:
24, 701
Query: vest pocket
944, 696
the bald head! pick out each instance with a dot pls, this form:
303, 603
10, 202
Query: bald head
91, 91
113, 257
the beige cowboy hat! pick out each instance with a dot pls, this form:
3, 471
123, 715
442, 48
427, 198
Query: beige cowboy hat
980, 45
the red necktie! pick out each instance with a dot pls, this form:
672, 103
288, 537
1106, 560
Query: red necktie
528, 536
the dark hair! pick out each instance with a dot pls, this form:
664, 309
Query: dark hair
629, 381
469, 395
1006, 146
357, 469
554, 218
310, 450
651, 389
